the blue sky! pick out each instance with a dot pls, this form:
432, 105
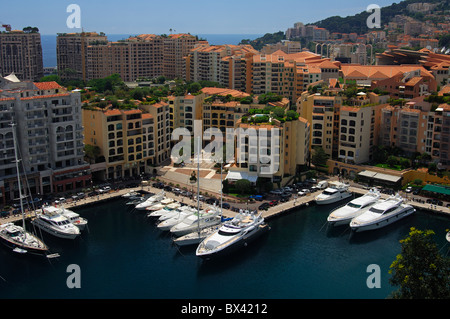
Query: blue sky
193, 16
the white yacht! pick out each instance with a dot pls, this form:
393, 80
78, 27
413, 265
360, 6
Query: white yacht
232, 234
168, 213
204, 218
131, 194
56, 224
333, 193
195, 237
168, 203
73, 217
383, 213
343, 215
151, 201
176, 217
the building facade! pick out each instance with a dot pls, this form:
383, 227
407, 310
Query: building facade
21, 54
49, 138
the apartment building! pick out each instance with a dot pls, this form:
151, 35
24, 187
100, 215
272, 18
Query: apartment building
290, 75
228, 65
184, 110
21, 54
49, 137
92, 56
162, 132
71, 53
276, 152
126, 138
440, 150
176, 49
322, 111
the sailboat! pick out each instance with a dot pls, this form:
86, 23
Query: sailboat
17, 237
201, 233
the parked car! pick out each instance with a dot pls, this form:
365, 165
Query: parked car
158, 185
408, 189
93, 193
273, 202
167, 188
264, 206
176, 191
81, 195
226, 205
303, 192
276, 192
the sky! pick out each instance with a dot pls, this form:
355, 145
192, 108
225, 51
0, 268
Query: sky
182, 16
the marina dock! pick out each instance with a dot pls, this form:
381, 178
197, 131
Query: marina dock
277, 210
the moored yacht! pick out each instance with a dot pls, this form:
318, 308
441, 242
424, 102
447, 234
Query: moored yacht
73, 217
167, 203
198, 220
343, 215
175, 217
383, 213
151, 201
20, 240
333, 193
237, 232
195, 237
56, 224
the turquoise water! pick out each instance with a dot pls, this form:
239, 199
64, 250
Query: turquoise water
125, 256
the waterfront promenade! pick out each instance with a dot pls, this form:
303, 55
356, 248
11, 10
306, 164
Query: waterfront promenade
281, 208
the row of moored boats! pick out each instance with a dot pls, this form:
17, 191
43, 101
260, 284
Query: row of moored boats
206, 228
366, 212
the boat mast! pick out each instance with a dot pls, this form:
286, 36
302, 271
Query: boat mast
198, 184
18, 177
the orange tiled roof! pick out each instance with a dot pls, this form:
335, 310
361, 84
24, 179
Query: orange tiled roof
44, 96
112, 112
47, 85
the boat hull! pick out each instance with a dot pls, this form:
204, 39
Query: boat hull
54, 232
30, 250
382, 222
236, 245
333, 199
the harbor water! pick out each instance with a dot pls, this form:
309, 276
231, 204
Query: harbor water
124, 256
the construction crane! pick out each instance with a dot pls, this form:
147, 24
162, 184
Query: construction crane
7, 27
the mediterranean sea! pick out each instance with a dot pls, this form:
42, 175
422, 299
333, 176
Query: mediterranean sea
124, 256
49, 43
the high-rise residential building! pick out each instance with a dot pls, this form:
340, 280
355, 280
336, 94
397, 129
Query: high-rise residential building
125, 138
346, 129
49, 137
71, 53
21, 54
92, 56
184, 110
229, 65
278, 150
176, 49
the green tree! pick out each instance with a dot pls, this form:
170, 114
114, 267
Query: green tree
91, 153
243, 186
392, 161
420, 271
319, 157
51, 78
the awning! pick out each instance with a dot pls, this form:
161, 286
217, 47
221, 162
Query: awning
441, 189
234, 176
380, 176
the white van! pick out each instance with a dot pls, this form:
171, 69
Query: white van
322, 185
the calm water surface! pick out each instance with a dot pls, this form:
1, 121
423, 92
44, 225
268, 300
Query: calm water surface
125, 256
